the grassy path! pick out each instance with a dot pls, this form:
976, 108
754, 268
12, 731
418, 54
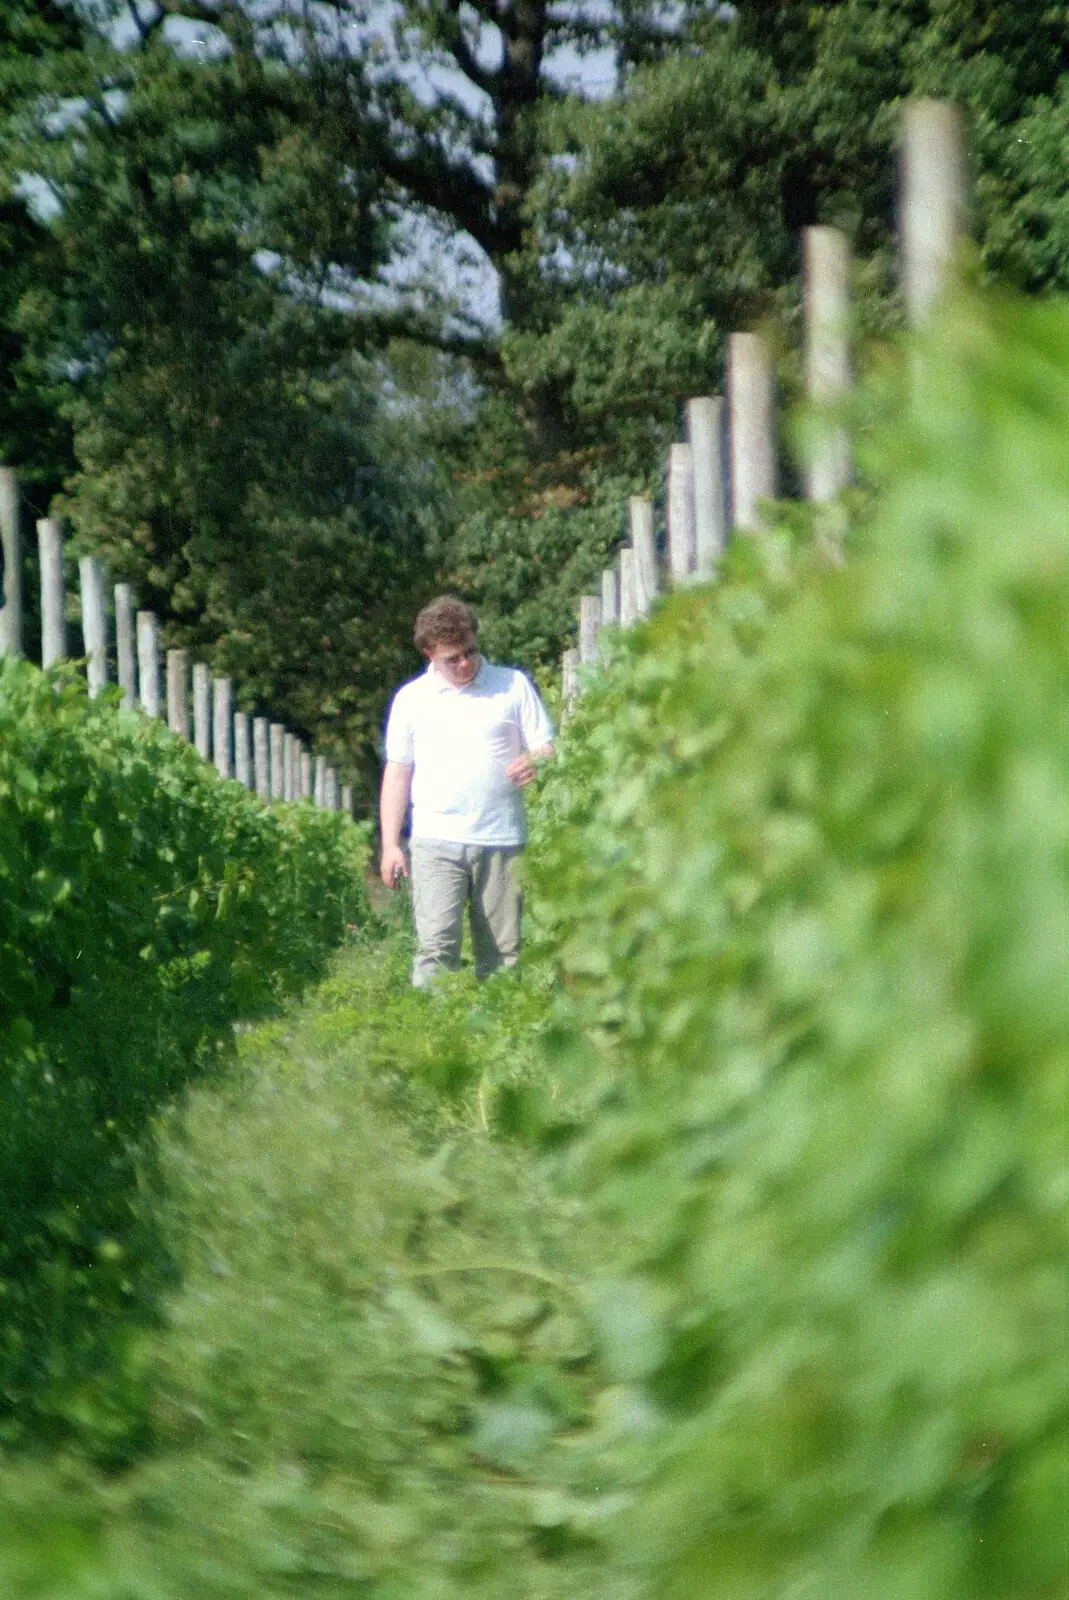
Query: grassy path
373, 1375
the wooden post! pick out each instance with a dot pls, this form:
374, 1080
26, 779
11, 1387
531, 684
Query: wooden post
53, 600
202, 710
347, 799
826, 255
752, 413
705, 430
628, 588
277, 735
94, 623
242, 750
319, 788
126, 653
933, 201
306, 774
148, 663
569, 662
589, 627
223, 726
178, 692
261, 758
643, 543
11, 542
681, 539
610, 597
289, 763
330, 790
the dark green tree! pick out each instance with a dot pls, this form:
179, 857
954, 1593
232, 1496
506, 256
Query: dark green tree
227, 457
676, 215
33, 435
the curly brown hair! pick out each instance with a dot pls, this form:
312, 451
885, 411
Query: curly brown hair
445, 620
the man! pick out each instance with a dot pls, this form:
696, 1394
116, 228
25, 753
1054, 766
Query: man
462, 741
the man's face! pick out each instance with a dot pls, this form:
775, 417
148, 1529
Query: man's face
458, 663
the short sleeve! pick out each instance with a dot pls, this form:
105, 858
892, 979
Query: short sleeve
535, 725
400, 740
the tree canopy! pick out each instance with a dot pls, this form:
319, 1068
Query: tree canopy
241, 330
677, 217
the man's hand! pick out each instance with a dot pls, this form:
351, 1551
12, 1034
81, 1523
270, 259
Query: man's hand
521, 771
524, 769
393, 866
393, 808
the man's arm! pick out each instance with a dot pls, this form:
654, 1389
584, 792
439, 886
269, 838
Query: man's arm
393, 808
536, 732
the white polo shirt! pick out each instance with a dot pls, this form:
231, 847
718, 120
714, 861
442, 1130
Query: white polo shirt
459, 742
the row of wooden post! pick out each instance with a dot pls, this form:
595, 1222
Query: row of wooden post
260, 754
728, 464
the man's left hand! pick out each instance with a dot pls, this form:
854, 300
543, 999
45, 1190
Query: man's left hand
522, 771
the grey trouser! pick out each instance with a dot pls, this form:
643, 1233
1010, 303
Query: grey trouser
445, 878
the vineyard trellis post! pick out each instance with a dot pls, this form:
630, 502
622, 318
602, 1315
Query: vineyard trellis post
289, 767
223, 726
628, 588
705, 430
125, 646
94, 623
933, 202
11, 543
589, 627
680, 513
261, 758
242, 750
53, 599
644, 544
202, 710
570, 677
752, 424
148, 663
610, 597
826, 293
178, 692
276, 734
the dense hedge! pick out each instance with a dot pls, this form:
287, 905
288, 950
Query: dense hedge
807, 861
145, 906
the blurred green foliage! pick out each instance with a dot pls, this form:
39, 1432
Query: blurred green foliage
372, 1370
146, 907
807, 874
